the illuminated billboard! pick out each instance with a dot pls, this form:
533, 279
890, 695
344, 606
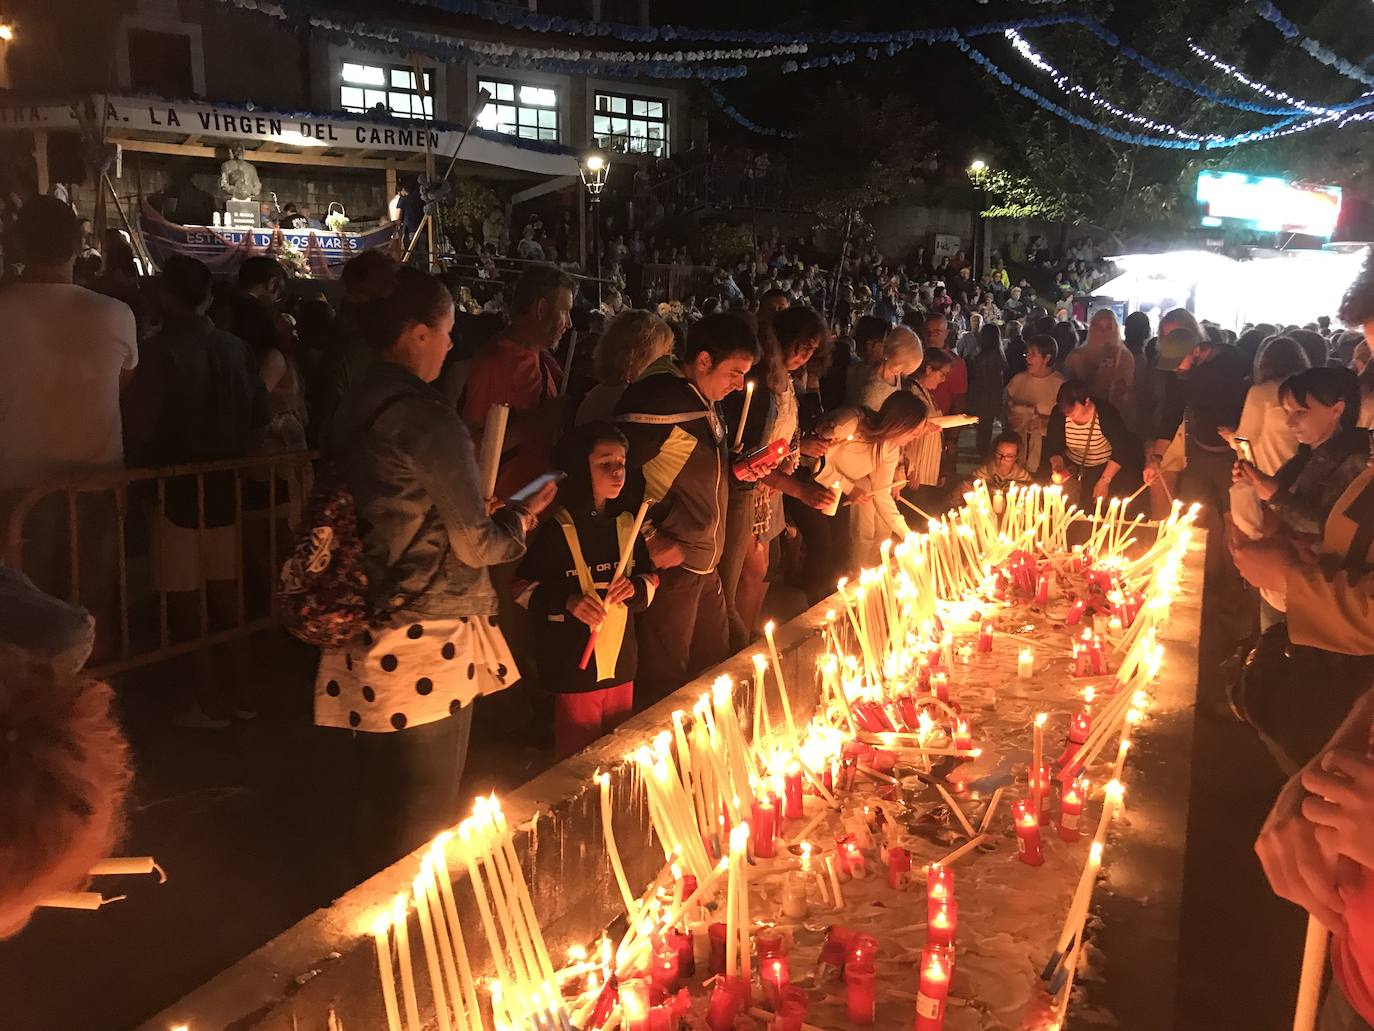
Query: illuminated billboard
1267, 204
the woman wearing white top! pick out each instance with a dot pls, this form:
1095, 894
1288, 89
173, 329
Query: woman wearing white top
1264, 423
1032, 395
865, 466
902, 355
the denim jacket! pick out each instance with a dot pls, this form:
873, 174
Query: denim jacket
427, 538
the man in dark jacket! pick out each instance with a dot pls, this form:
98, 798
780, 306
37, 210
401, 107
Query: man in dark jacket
679, 450
1208, 392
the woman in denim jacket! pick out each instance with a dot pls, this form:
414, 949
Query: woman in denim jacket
404, 689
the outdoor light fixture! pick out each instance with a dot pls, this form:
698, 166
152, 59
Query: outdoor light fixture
594, 170
978, 166
6, 31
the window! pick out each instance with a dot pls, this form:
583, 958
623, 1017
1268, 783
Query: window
529, 112
160, 62
630, 124
364, 86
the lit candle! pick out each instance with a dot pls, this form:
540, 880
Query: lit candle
1025, 663
776, 976
762, 828
1075, 612
400, 907
860, 992
1079, 728
739, 841
939, 686
634, 1004
963, 738
744, 413
933, 990
985, 637
830, 865
854, 862
663, 971
381, 935
1027, 833
792, 791
730, 995
1042, 591
939, 888
1070, 809
782, 686
943, 923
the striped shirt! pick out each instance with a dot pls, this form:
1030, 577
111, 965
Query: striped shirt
1085, 444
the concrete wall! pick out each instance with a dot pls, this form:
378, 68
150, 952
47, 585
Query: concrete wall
328, 962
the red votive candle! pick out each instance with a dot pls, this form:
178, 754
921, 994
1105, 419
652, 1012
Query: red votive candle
898, 868
792, 792
923, 672
662, 1018
933, 990
1079, 728
963, 738
939, 686
717, 932
689, 887
686, 953
770, 943
985, 637
860, 995
791, 1009
663, 970
775, 975
939, 887
1027, 833
762, 829
834, 951
634, 1004
854, 862
943, 923
729, 997
863, 948
1075, 612
1070, 809
1042, 591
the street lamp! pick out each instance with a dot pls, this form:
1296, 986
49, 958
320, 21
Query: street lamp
594, 169
976, 169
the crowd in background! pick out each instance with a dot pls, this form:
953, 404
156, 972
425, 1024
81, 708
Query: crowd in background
748, 503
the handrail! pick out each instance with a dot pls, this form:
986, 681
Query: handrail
97, 508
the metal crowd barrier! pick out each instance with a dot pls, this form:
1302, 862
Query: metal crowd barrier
97, 539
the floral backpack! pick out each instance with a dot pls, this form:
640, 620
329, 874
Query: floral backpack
321, 595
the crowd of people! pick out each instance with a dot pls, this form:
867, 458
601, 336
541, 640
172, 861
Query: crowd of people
710, 469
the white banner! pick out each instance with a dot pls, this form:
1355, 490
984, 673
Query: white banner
187, 118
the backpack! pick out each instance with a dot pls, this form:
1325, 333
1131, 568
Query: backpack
321, 595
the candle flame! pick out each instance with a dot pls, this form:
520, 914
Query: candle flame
739, 837
759, 661
768, 628
400, 907
1095, 853
1040, 719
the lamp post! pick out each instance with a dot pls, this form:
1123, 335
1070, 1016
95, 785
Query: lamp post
976, 169
595, 167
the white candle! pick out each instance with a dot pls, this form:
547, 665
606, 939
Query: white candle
744, 413
493, 440
129, 865
739, 841
782, 686
1025, 663
445, 881
380, 935
436, 976
400, 912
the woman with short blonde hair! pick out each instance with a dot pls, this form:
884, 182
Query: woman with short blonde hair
632, 342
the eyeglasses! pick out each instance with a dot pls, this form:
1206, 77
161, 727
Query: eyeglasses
1006, 456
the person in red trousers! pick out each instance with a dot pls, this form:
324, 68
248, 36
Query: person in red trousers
565, 581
